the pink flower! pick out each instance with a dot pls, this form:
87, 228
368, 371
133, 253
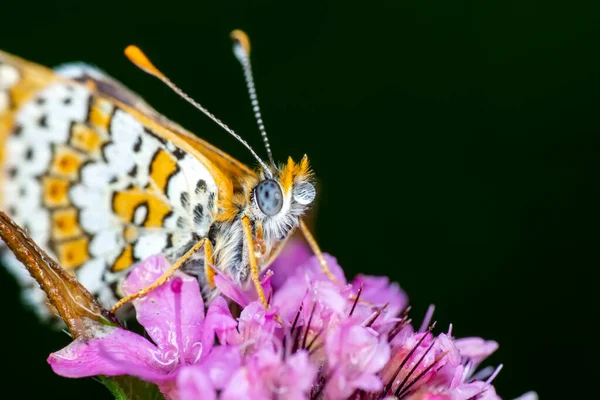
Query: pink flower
173, 316
355, 356
267, 375
319, 340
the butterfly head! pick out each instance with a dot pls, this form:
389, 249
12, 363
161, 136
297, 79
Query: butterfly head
281, 197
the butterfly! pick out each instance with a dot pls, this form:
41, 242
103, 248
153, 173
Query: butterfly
101, 181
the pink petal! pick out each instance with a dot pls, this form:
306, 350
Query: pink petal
444, 344
145, 274
480, 389
302, 372
231, 290
194, 384
294, 253
241, 296
424, 395
172, 314
368, 383
256, 326
120, 352
313, 267
528, 396
221, 364
328, 293
239, 387
289, 297
378, 290
218, 321
475, 348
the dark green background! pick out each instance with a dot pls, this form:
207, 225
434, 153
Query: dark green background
456, 145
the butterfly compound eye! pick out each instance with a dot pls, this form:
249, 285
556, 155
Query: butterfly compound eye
269, 197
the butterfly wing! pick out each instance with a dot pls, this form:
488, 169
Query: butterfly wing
113, 89
235, 171
95, 176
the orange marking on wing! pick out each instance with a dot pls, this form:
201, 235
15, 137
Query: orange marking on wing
56, 192
91, 85
73, 253
101, 113
162, 167
6, 124
65, 224
124, 260
125, 202
130, 234
66, 163
22, 92
33, 77
85, 139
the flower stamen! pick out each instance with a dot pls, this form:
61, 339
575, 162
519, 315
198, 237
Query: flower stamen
390, 383
375, 316
312, 313
422, 374
356, 299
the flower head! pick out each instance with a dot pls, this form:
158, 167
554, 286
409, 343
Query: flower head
317, 340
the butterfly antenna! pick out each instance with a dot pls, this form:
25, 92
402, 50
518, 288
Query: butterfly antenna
136, 56
241, 49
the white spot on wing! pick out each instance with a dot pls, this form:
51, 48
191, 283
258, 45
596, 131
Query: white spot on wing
125, 129
140, 214
119, 160
84, 197
9, 76
95, 219
90, 274
96, 175
149, 244
106, 242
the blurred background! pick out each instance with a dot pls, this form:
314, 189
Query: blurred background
455, 143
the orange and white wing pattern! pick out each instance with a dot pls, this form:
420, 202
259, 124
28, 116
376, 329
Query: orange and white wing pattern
96, 183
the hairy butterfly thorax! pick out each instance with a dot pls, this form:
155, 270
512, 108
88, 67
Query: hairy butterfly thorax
102, 181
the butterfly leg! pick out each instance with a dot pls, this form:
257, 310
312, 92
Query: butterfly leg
315, 248
209, 270
254, 272
164, 277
